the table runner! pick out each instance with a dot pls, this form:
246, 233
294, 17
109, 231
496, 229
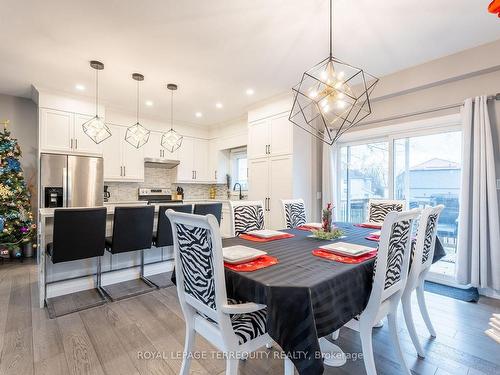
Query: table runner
306, 296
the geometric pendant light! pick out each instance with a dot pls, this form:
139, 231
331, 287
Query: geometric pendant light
137, 135
331, 97
95, 128
171, 140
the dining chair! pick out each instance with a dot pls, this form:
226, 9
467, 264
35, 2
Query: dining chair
246, 216
379, 208
422, 255
294, 212
236, 328
389, 280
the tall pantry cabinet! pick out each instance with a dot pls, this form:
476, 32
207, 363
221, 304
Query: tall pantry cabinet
279, 161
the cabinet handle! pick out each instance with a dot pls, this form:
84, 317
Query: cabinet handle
124, 171
266, 154
76, 144
121, 171
269, 149
71, 145
195, 175
215, 175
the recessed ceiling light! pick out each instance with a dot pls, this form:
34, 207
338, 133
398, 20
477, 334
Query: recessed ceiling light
80, 87
250, 92
218, 105
149, 103
198, 114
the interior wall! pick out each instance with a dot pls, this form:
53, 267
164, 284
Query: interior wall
23, 117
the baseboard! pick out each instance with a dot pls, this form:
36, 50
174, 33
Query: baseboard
112, 277
488, 292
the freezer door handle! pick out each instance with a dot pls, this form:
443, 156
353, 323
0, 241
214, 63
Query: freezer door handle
65, 186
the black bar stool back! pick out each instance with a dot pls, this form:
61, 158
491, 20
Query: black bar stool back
209, 208
163, 236
79, 233
132, 230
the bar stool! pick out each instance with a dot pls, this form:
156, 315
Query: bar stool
132, 228
209, 208
163, 237
79, 233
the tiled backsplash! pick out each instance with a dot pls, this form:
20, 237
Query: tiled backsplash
160, 177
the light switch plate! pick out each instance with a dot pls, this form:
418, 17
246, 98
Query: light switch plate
498, 184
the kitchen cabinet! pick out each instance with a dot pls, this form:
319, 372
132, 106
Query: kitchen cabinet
268, 181
154, 149
61, 131
225, 222
218, 163
122, 161
194, 161
270, 137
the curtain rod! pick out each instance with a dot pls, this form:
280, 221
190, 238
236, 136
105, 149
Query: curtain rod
421, 112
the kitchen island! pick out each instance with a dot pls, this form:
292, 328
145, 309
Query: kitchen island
75, 276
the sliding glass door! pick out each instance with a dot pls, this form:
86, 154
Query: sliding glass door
427, 173
364, 175
423, 169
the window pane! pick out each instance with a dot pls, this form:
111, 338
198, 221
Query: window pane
364, 175
427, 172
241, 166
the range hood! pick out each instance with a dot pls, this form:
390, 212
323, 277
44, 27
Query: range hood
160, 163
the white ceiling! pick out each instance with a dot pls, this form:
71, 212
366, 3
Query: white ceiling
217, 49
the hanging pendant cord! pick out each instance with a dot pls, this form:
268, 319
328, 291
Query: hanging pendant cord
137, 111
96, 92
331, 28
172, 110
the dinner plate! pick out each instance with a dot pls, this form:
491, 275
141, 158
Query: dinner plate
265, 233
240, 254
377, 233
313, 225
344, 248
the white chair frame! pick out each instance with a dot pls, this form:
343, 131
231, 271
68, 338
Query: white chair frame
417, 275
221, 333
233, 204
385, 201
384, 302
284, 202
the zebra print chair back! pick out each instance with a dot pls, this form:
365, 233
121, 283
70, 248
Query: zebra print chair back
379, 208
423, 247
393, 258
246, 216
294, 212
198, 261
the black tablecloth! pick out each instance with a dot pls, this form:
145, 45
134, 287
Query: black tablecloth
307, 297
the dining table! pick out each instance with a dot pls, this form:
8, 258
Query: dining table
307, 297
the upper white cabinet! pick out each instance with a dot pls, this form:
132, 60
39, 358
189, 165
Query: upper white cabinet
154, 149
218, 162
62, 131
122, 161
194, 161
270, 137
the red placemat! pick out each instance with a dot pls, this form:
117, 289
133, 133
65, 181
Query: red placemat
372, 226
343, 258
257, 264
249, 237
373, 237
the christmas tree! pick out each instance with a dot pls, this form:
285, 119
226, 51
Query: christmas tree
16, 218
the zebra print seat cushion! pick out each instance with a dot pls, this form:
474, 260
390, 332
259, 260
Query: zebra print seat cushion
246, 326
195, 250
295, 214
397, 243
247, 218
378, 211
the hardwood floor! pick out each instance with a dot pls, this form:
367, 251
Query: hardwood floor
145, 335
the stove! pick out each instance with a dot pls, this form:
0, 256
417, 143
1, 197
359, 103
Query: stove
156, 196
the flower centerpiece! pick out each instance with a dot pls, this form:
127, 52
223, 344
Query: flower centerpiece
327, 232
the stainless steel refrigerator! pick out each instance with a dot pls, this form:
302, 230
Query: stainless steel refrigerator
71, 181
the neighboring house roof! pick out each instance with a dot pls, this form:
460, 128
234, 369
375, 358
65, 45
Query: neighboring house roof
435, 163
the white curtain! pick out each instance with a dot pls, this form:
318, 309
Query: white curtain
329, 177
478, 254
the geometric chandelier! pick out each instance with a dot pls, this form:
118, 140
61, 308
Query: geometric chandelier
95, 128
331, 97
137, 135
171, 140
